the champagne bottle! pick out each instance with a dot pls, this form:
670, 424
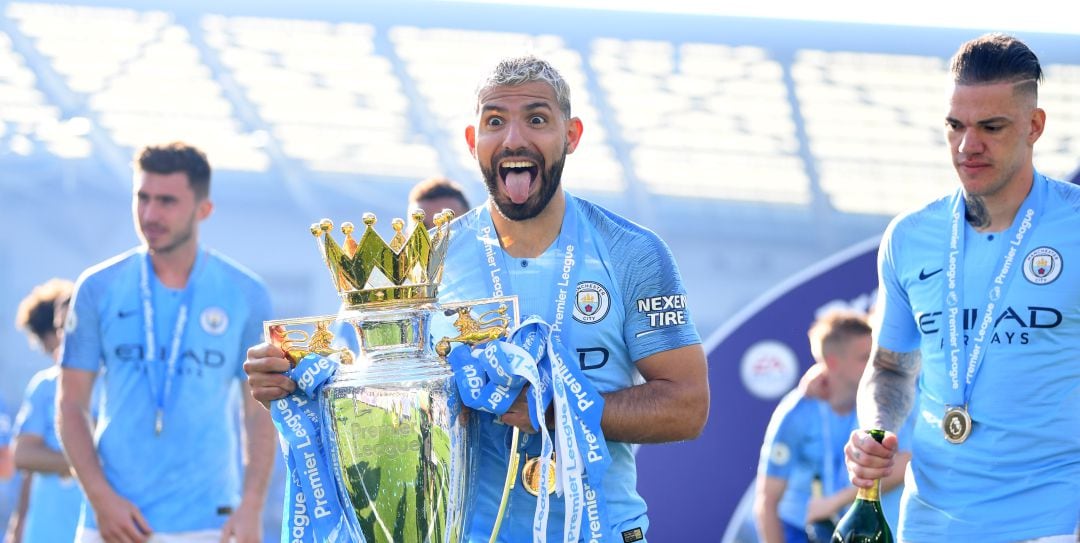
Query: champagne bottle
865, 522
821, 530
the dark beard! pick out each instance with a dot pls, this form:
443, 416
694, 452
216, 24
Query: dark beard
550, 181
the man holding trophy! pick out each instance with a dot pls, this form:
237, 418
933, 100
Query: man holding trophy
612, 306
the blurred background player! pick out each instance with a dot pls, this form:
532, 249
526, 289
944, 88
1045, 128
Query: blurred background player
435, 194
166, 324
806, 436
49, 511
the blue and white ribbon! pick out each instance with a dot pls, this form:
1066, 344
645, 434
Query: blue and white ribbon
489, 378
1019, 234
489, 374
312, 501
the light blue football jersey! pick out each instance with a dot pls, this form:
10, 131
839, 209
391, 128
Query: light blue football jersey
6, 424
628, 303
805, 437
187, 477
1018, 474
55, 502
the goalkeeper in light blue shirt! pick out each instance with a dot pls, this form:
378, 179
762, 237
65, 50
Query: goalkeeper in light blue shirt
979, 300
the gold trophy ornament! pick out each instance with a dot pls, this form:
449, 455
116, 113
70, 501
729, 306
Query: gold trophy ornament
401, 449
297, 343
488, 326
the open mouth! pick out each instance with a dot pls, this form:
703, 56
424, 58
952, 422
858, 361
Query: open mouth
517, 176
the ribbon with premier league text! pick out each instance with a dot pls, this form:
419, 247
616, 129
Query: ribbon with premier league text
491, 376
313, 507
1019, 234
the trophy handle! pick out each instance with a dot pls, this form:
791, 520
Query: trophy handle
298, 343
472, 331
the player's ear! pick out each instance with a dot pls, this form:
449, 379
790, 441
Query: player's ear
204, 208
470, 139
573, 134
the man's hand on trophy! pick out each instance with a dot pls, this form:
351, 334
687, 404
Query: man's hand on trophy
518, 413
266, 366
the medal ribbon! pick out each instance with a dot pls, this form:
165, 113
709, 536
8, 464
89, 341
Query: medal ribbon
564, 279
313, 504
496, 259
580, 444
579, 482
532, 355
146, 295
490, 377
1020, 234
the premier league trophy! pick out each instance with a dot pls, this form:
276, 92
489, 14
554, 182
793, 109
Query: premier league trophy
395, 440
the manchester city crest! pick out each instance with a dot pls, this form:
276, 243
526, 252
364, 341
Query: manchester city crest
214, 321
1042, 265
591, 303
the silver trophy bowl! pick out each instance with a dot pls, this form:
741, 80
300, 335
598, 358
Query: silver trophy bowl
401, 448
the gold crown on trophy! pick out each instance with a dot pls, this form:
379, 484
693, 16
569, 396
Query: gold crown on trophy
371, 271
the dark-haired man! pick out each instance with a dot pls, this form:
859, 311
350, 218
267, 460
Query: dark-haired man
166, 324
435, 194
51, 500
991, 340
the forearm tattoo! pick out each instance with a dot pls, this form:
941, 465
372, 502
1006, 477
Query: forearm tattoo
887, 392
976, 212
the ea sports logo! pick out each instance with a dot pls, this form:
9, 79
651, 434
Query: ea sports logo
591, 302
1042, 265
769, 369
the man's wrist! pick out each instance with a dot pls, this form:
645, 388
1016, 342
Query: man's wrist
251, 502
99, 493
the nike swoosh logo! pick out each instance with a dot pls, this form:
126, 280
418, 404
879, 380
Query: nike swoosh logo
923, 276
126, 314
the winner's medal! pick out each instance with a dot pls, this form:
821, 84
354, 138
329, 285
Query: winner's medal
530, 475
956, 424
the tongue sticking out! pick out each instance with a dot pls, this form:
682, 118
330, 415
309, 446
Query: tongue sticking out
517, 185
